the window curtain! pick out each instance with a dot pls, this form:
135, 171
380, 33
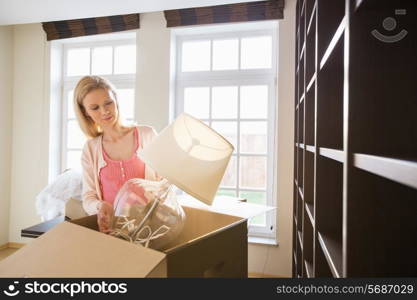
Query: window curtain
82, 27
239, 12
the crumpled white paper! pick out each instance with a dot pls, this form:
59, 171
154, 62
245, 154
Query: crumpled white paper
50, 202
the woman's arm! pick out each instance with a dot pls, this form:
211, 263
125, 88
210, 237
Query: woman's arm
91, 202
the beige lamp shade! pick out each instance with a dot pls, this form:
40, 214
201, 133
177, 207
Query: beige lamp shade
191, 155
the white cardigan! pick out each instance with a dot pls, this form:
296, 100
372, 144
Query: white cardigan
92, 161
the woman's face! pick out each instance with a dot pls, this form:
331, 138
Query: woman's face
100, 106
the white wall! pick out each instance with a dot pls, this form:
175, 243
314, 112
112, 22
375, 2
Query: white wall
6, 96
152, 77
30, 133
30, 130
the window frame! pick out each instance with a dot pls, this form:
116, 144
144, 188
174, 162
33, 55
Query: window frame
237, 78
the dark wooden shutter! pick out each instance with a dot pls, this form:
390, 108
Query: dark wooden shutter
239, 12
81, 27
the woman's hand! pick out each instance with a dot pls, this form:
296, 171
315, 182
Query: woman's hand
105, 217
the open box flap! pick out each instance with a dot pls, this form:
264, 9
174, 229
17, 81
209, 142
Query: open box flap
227, 205
70, 250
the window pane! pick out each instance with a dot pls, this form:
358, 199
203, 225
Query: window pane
258, 220
70, 106
225, 54
129, 122
196, 102
126, 101
230, 193
256, 198
256, 52
254, 102
125, 59
78, 62
253, 137
224, 104
229, 178
75, 137
228, 130
196, 56
73, 160
102, 60
252, 172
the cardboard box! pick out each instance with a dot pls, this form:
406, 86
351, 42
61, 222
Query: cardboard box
211, 245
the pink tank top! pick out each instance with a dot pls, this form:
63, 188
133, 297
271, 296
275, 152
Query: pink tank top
117, 172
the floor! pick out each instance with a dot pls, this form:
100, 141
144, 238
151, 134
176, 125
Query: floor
6, 252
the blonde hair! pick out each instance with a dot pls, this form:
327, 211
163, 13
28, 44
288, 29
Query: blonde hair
85, 86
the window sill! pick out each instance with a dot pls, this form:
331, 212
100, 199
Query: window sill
262, 241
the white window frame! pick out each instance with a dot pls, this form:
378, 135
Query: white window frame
236, 78
69, 82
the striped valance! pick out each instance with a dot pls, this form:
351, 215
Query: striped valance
239, 12
81, 27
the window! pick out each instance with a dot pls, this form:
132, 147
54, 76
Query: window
227, 80
112, 59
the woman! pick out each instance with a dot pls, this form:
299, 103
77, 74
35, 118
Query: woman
109, 157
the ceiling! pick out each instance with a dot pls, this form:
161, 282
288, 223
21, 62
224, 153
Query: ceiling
35, 11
